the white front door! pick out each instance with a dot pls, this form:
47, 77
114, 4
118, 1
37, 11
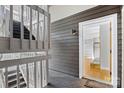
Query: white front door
97, 40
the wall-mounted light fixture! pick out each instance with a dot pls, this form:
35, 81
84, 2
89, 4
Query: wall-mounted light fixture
74, 32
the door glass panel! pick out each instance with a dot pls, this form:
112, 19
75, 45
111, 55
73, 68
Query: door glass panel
96, 38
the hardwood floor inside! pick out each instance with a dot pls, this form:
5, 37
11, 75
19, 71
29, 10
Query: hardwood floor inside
94, 71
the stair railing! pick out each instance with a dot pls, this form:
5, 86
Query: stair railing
14, 45
2, 79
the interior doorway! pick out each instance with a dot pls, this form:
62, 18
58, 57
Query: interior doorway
98, 49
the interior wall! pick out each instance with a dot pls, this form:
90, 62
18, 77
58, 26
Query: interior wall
61, 11
105, 45
91, 35
65, 46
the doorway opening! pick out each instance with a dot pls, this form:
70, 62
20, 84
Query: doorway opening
98, 49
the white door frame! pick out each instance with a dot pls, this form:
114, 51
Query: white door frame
113, 19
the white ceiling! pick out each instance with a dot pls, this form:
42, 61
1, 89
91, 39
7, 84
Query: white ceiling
61, 11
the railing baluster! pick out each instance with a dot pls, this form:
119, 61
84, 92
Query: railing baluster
27, 69
44, 71
11, 21
11, 25
41, 34
28, 12
30, 27
37, 29
48, 26
18, 75
48, 46
22, 26
35, 81
6, 77
47, 70
44, 32
41, 74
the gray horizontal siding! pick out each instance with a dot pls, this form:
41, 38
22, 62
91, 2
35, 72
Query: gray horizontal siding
119, 50
65, 46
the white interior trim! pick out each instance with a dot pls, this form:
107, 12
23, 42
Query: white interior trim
113, 19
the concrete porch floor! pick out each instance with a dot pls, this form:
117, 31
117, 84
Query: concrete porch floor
61, 80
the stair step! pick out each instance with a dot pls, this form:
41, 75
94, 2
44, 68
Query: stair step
11, 72
18, 33
14, 73
12, 76
23, 85
14, 79
16, 28
15, 85
16, 25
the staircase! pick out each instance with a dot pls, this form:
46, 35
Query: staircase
12, 75
12, 79
17, 31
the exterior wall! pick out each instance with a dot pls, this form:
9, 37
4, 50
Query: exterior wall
119, 36
123, 46
65, 46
